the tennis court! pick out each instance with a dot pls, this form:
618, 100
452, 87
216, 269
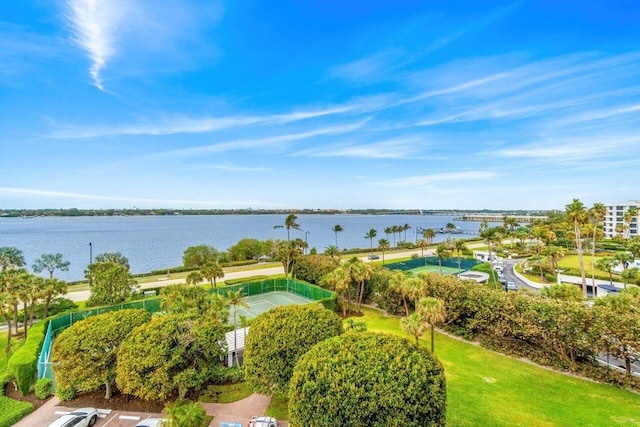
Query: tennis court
447, 271
264, 302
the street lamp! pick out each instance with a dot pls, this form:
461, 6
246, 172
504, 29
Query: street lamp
90, 263
306, 233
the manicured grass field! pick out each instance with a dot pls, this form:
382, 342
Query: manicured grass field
571, 261
488, 389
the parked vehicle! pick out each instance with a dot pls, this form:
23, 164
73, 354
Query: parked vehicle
152, 422
374, 256
263, 422
511, 286
84, 417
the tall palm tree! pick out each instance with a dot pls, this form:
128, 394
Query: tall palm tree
360, 273
370, 235
212, 271
597, 213
397, 283
289, 223
387, 231
234, 298
422, 243
432, 311
337, 229
429, 234
193, 278
577, 215
460, 245
607, 264
52, 287
443, 251
510, 224
383, 245
405, 228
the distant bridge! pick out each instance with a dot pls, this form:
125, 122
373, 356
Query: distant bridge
499, 218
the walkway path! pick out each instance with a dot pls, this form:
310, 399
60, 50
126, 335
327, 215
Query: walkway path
240, 411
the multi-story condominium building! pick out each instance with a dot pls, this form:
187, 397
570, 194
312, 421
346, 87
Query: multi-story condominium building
618, 222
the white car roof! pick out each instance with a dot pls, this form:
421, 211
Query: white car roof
151, 422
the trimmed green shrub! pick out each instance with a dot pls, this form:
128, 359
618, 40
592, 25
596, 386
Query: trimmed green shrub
278, 338
43, 388
23, 364
66, 393
12, 411
370, 379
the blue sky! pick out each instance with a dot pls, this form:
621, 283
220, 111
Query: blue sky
318, 104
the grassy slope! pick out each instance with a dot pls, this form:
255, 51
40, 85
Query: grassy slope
485, 388
571, 261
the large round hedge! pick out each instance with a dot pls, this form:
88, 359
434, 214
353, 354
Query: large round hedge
85, 354
279, 337
367, 379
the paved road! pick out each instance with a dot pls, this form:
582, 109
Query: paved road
510, 276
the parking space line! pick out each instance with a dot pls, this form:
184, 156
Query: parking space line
114, 415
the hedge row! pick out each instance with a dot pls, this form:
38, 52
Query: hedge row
231, 282
23, 364
11, 411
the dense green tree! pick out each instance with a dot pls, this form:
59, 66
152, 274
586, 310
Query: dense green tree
247, 249
313, 268
114, 257
278, 338
11, 257
617, 328
196, 256
51, 263
194, 278
170, 354
367, 379
85, 353
111, 283
565, 292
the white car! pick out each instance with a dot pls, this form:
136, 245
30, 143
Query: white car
152, 422
82, 417
263, 422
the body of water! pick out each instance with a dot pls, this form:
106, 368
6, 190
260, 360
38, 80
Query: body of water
158, 242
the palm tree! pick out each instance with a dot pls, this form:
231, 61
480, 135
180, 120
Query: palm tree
289, 223
339, 281
630, 275
234, 298
607, 264
405, 228
337, 229
7, 302
510, 223
431, 310
460, 246
360, 273
597, 213
387, 231
413, 325
52, 287
370, 235
212, 271
577, 215
443, 251
629, 215
193, 278
383, 245
11, 257
185, 413
429, 234
422, 243
50, 262
484, 224
623, 258
397, 283
332, 251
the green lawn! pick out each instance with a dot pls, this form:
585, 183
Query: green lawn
3, 355
571, 261
226, 393
485, 388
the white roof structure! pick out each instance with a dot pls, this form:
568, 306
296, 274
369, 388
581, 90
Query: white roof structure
238, 342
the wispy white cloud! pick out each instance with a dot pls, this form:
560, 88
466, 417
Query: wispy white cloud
273, 142
187, 125
413, 181
94, 25
131, 201
230, 168
396, 148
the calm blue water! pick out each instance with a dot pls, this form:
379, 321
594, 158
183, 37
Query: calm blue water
157, 242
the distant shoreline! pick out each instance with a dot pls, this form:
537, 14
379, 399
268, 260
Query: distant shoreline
32, 213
